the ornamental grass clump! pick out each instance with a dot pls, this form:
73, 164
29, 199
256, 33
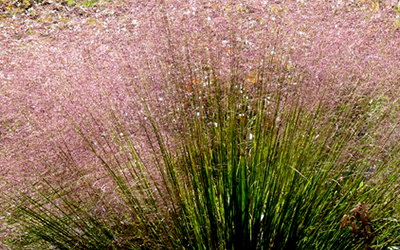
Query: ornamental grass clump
277, 176
258, 132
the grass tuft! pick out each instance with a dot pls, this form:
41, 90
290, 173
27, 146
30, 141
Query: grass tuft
278, 176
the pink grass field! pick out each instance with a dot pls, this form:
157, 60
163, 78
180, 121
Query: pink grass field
61, 65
